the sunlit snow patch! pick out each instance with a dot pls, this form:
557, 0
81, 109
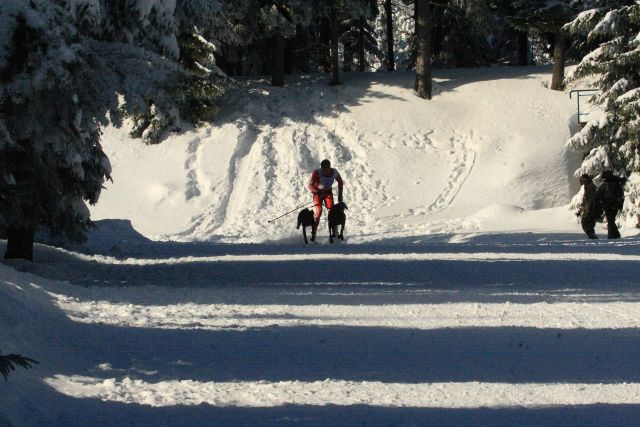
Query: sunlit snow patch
338, 392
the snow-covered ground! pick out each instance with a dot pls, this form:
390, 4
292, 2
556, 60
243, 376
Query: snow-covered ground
484, 152
466, 293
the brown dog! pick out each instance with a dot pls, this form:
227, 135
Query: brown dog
305, 219
337, 218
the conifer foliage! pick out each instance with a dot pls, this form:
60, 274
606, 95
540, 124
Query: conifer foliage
548, 16
612, 142
8, 363
66, 69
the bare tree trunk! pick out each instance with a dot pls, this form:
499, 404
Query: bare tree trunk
391, 54
423, 27
361, 51
277, 60
557, 79
324, 61
335, 72
523, 48
20, 243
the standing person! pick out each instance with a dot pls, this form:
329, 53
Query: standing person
320, 184
611, 195
590, 208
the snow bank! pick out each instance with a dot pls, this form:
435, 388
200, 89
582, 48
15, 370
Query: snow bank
492, 136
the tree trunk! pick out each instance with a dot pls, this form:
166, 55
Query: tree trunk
335, 72
20, 243
277, 60
523, 48
391, 54
423, 27
324, 61
288, 57
557, 79
347, 56
361, 51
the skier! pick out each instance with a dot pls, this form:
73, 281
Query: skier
611, 195
320, 185
590, 208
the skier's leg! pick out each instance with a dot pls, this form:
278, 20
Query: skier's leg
317, 213
328, 201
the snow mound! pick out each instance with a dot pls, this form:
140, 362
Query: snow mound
492, 136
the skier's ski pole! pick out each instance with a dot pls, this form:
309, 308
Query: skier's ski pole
292, 210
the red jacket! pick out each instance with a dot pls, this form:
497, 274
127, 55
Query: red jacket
318, 183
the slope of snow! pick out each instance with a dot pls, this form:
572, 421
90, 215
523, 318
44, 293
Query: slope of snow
490, 138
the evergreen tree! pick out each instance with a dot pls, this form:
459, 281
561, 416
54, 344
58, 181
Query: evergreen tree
548, 16
202, 83
279, 21
612, 142
67, 68
359, 41
459, 34
334, 13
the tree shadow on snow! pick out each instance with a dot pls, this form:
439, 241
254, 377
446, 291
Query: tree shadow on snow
493, 355
111, 413
311, 100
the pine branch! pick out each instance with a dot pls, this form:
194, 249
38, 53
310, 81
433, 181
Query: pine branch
9, 362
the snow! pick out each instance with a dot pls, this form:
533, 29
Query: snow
465, 292
608, 24
505, 326
490, 137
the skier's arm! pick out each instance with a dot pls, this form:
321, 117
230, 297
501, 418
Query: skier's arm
313, 182
340, 184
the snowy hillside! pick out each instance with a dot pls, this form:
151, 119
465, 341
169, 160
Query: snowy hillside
485, 153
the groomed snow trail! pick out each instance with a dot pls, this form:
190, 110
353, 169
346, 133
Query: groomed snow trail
514, 332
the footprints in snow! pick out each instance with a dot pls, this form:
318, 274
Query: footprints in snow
462, 160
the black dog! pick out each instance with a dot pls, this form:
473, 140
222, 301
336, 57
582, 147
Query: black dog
337, 218
305, 219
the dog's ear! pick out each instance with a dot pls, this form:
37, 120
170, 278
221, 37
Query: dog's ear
345, 206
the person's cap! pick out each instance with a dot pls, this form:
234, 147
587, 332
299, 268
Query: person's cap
325, 163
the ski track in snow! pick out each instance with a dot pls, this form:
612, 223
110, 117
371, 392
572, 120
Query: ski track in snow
267, 154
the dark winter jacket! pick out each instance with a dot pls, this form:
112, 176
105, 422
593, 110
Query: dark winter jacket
611, 192
590, 206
